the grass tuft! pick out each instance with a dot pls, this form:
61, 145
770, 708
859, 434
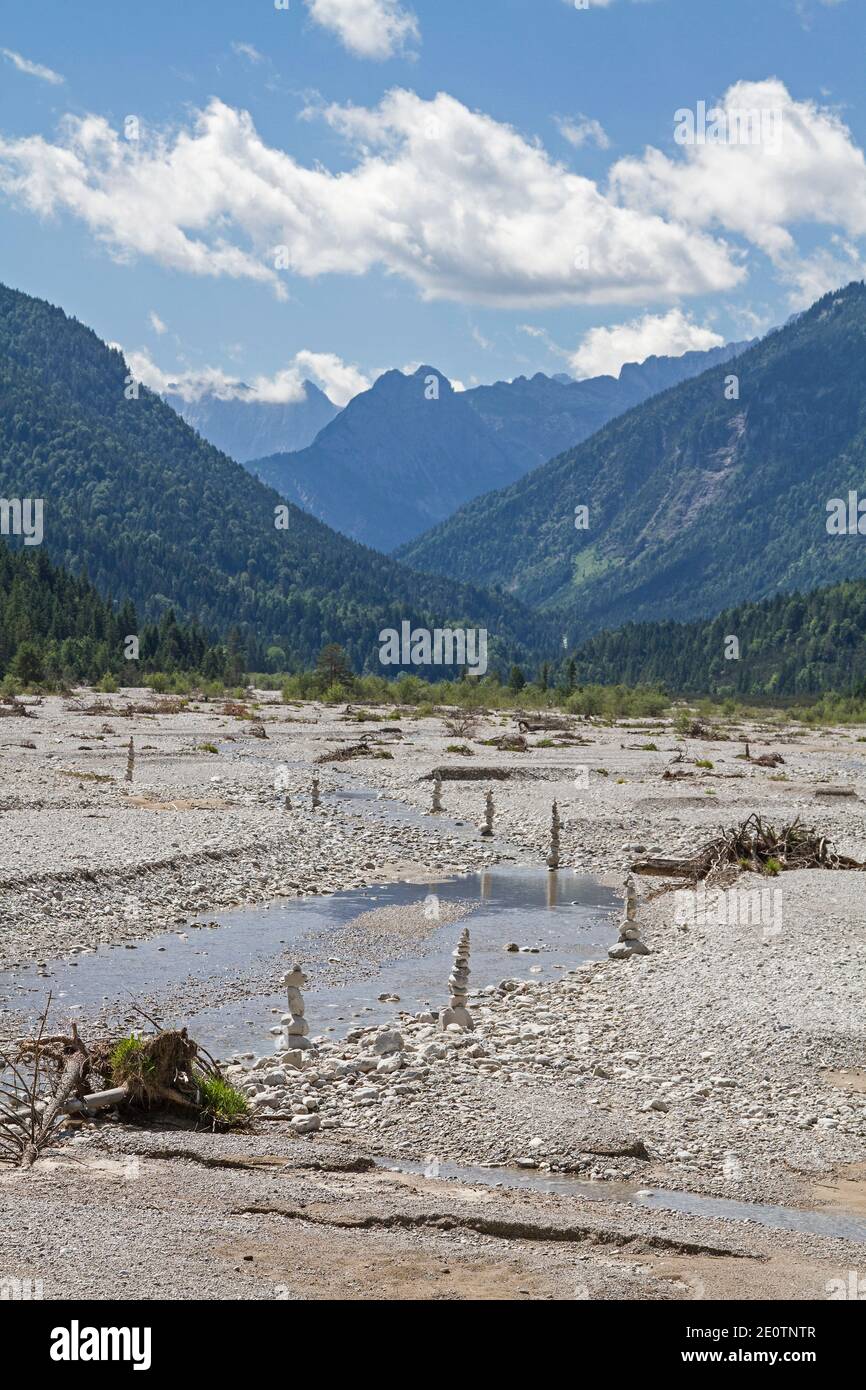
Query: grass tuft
220, 1102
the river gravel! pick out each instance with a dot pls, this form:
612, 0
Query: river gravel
730, 1060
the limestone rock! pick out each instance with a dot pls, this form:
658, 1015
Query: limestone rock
388, 1043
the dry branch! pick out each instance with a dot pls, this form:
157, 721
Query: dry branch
754, 844
165, 1068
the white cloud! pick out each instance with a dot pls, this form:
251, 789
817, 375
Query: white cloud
247, 50
368, 28
582, 131
462, 206
828, 267
467, 208
814, 174
146, 198
339, 380
604, 350
32, 69
156, 322
533, 331
748, 321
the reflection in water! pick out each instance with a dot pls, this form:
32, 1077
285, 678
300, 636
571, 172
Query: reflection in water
552, 888
511, 905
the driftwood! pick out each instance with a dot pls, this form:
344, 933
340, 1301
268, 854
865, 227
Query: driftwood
10, 707
763, 760
27, 1121
77, 706
508, 743
665, 868
75, 1070
544, 723
166, 1069
364, 749
697, 729
755, 845
475, 773
97, 1100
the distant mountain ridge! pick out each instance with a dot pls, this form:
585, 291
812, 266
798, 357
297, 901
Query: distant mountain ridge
133, 496
390, 463
399, 459
245, 427
698, 499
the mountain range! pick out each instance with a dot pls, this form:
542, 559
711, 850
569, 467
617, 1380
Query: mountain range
724, 490
401, 457
134, 498
711, 493
245, 427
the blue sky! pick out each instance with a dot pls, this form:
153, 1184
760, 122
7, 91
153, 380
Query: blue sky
512, 196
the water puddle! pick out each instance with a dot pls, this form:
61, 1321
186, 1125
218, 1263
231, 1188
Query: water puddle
222, 980
821, 1223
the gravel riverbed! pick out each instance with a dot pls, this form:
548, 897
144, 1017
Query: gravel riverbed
728, 1061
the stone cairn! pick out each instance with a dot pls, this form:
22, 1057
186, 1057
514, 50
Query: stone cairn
629, 943
130, 761
486, 826
316, 799
457, 1015
555, 827
294, 1025
281, 787
437, 795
